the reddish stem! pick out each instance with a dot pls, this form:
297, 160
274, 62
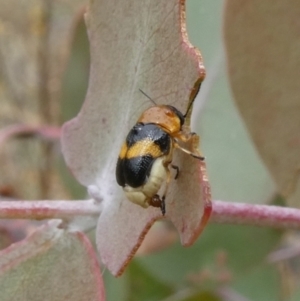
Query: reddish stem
22, 130
48, 209
222, 212
256, 215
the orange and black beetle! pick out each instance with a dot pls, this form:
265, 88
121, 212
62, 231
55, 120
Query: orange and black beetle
145, 156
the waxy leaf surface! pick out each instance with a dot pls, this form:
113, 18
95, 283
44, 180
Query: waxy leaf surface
51, 265
135, 45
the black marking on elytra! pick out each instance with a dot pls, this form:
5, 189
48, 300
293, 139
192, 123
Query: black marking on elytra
134, 171
149, 131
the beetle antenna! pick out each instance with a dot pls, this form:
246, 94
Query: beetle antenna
188, 109
148, 97
194, 94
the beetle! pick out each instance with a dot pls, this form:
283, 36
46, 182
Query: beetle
147, 153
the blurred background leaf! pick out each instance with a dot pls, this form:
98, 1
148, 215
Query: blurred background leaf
265, 83
35, 38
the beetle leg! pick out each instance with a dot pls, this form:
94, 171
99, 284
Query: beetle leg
163, 206
188, 152
156, 201
177, 170
163, 210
